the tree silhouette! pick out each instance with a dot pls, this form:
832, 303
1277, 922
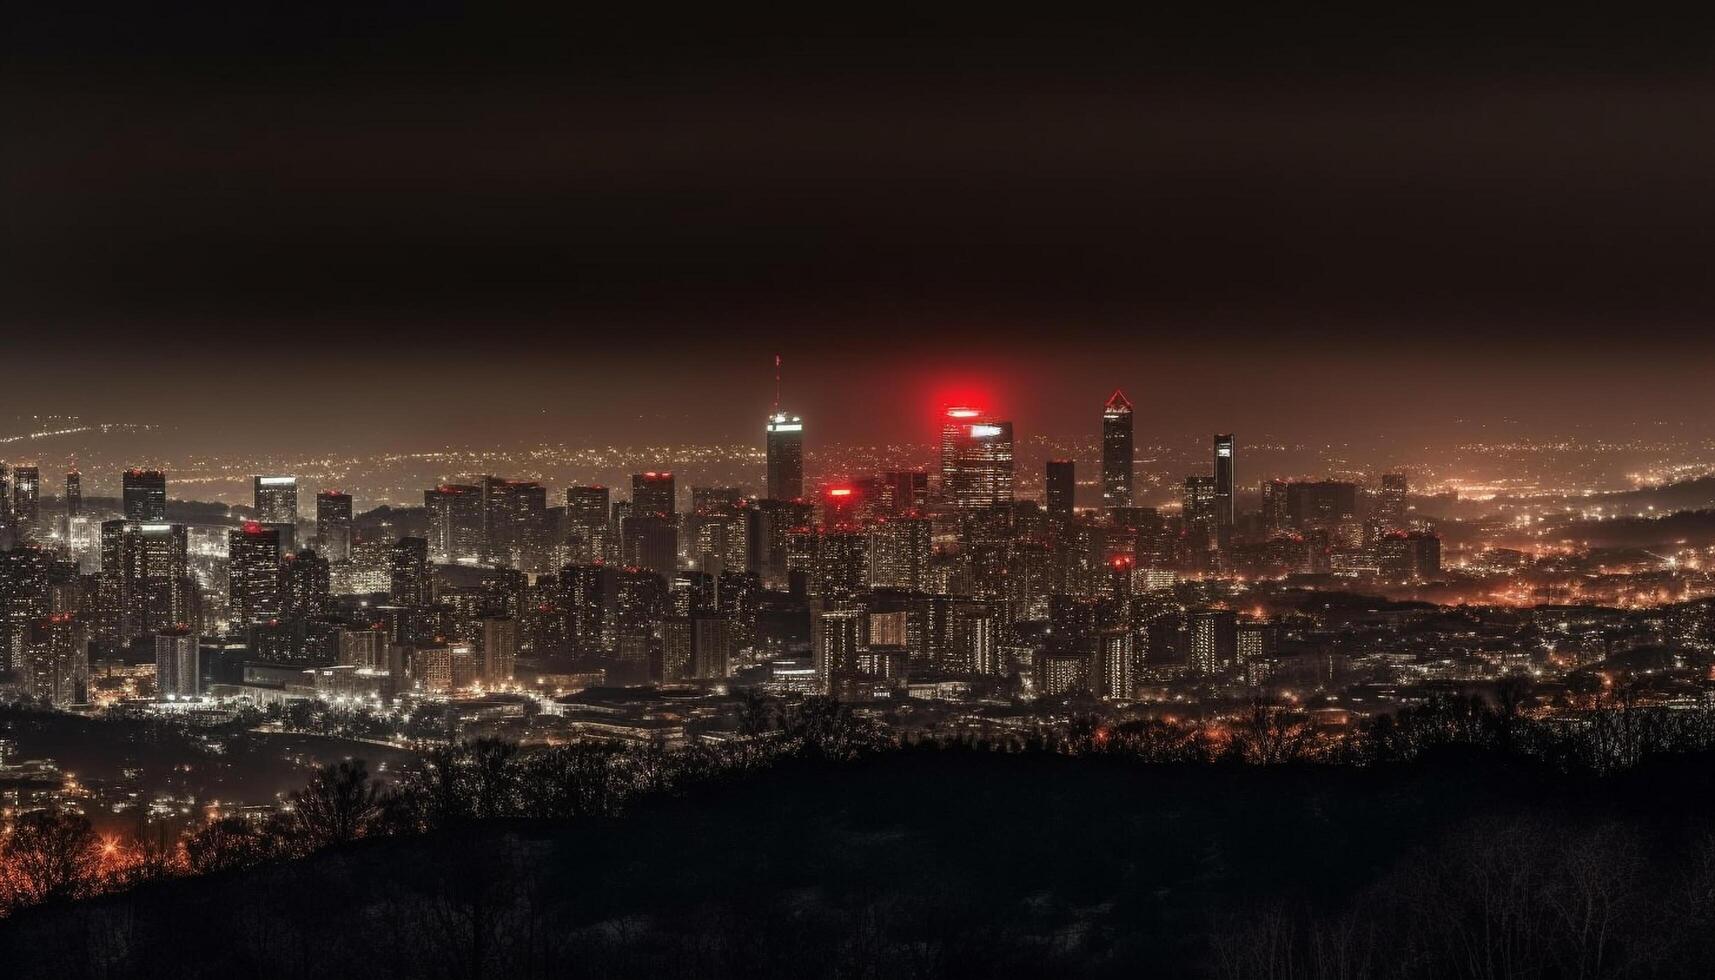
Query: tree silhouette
50, 856
339, 805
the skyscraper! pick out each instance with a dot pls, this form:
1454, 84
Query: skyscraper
588, 523
145, 578
499, 649
455, 522
73, 502
1224, 490
333, 524
785, 456
145, 493
277, 500
653, 493
1117, 455
979, 468
27, 502
253, 570
408, 565
1390, 502
1062, 487
177, 673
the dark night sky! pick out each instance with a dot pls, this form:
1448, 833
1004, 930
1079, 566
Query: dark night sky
603, 229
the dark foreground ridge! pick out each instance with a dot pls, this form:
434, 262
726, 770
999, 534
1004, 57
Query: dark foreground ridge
954, 862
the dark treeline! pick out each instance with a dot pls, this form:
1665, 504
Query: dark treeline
1462, 838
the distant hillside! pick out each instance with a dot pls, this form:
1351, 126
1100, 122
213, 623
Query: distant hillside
947, 864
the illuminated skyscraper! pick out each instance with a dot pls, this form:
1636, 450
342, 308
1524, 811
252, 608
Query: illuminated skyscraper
277, 500
145, 493
900, 549
903, 491
455, 522
27, 502
408, 565
1062, 487
1390, 502
978, 469
588, 523
55, 665
1117, 455
1224, 450
145, 578
73, 501
1213, 640
785, 456
653, 494
177, 672
1198, 505
499, 649
304, 585
253, 570
333, 524
955, 422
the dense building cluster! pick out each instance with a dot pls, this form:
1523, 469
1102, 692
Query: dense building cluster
868, 585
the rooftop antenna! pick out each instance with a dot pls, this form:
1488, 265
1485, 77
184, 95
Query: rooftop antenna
777, 383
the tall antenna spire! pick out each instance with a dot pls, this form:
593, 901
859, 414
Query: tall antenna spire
777, 382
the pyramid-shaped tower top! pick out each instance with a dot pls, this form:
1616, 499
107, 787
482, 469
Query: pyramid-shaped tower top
1118, 402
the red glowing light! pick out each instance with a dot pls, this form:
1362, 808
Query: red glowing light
252, 527
962, 412
840, 491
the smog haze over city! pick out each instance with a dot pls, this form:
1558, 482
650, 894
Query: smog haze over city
506, 490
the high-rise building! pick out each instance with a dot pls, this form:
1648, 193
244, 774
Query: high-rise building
73, 501
651, 541
589, 531
979, 468
455, 522
653, 493
499, 649
253, 573
145, 493
785, 456
27, 502
1224, 517
177, 672
1117, 455
1198, 504
333, 524
305, 583
1390, 501
1062, 488
55, 665
954, 422
25, 598
1321, 505
1213, 640
408, 565
904, 491
515, 522
900, 549
277, 499
1276, 512
145, 579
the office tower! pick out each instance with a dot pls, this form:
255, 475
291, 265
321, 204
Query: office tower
145, 493
1276, 512
455, 522
177, 671
842, 505
904, 491
589, 533
408, 567
1213, 640
694, 647
515, 522
651, 541
785, 456
1224, 517
145, 578
585, 593
277, 500
1198, 504
653, 494
1322, 505
253, 570
55, 666
638, 602
333, 524
305, 584
27, 502
977, 460
73, 502
1117, 454
499, 649
768, 531
1116, 660
8, 536
1390, 502
1062, 489
900, 550
842, 563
